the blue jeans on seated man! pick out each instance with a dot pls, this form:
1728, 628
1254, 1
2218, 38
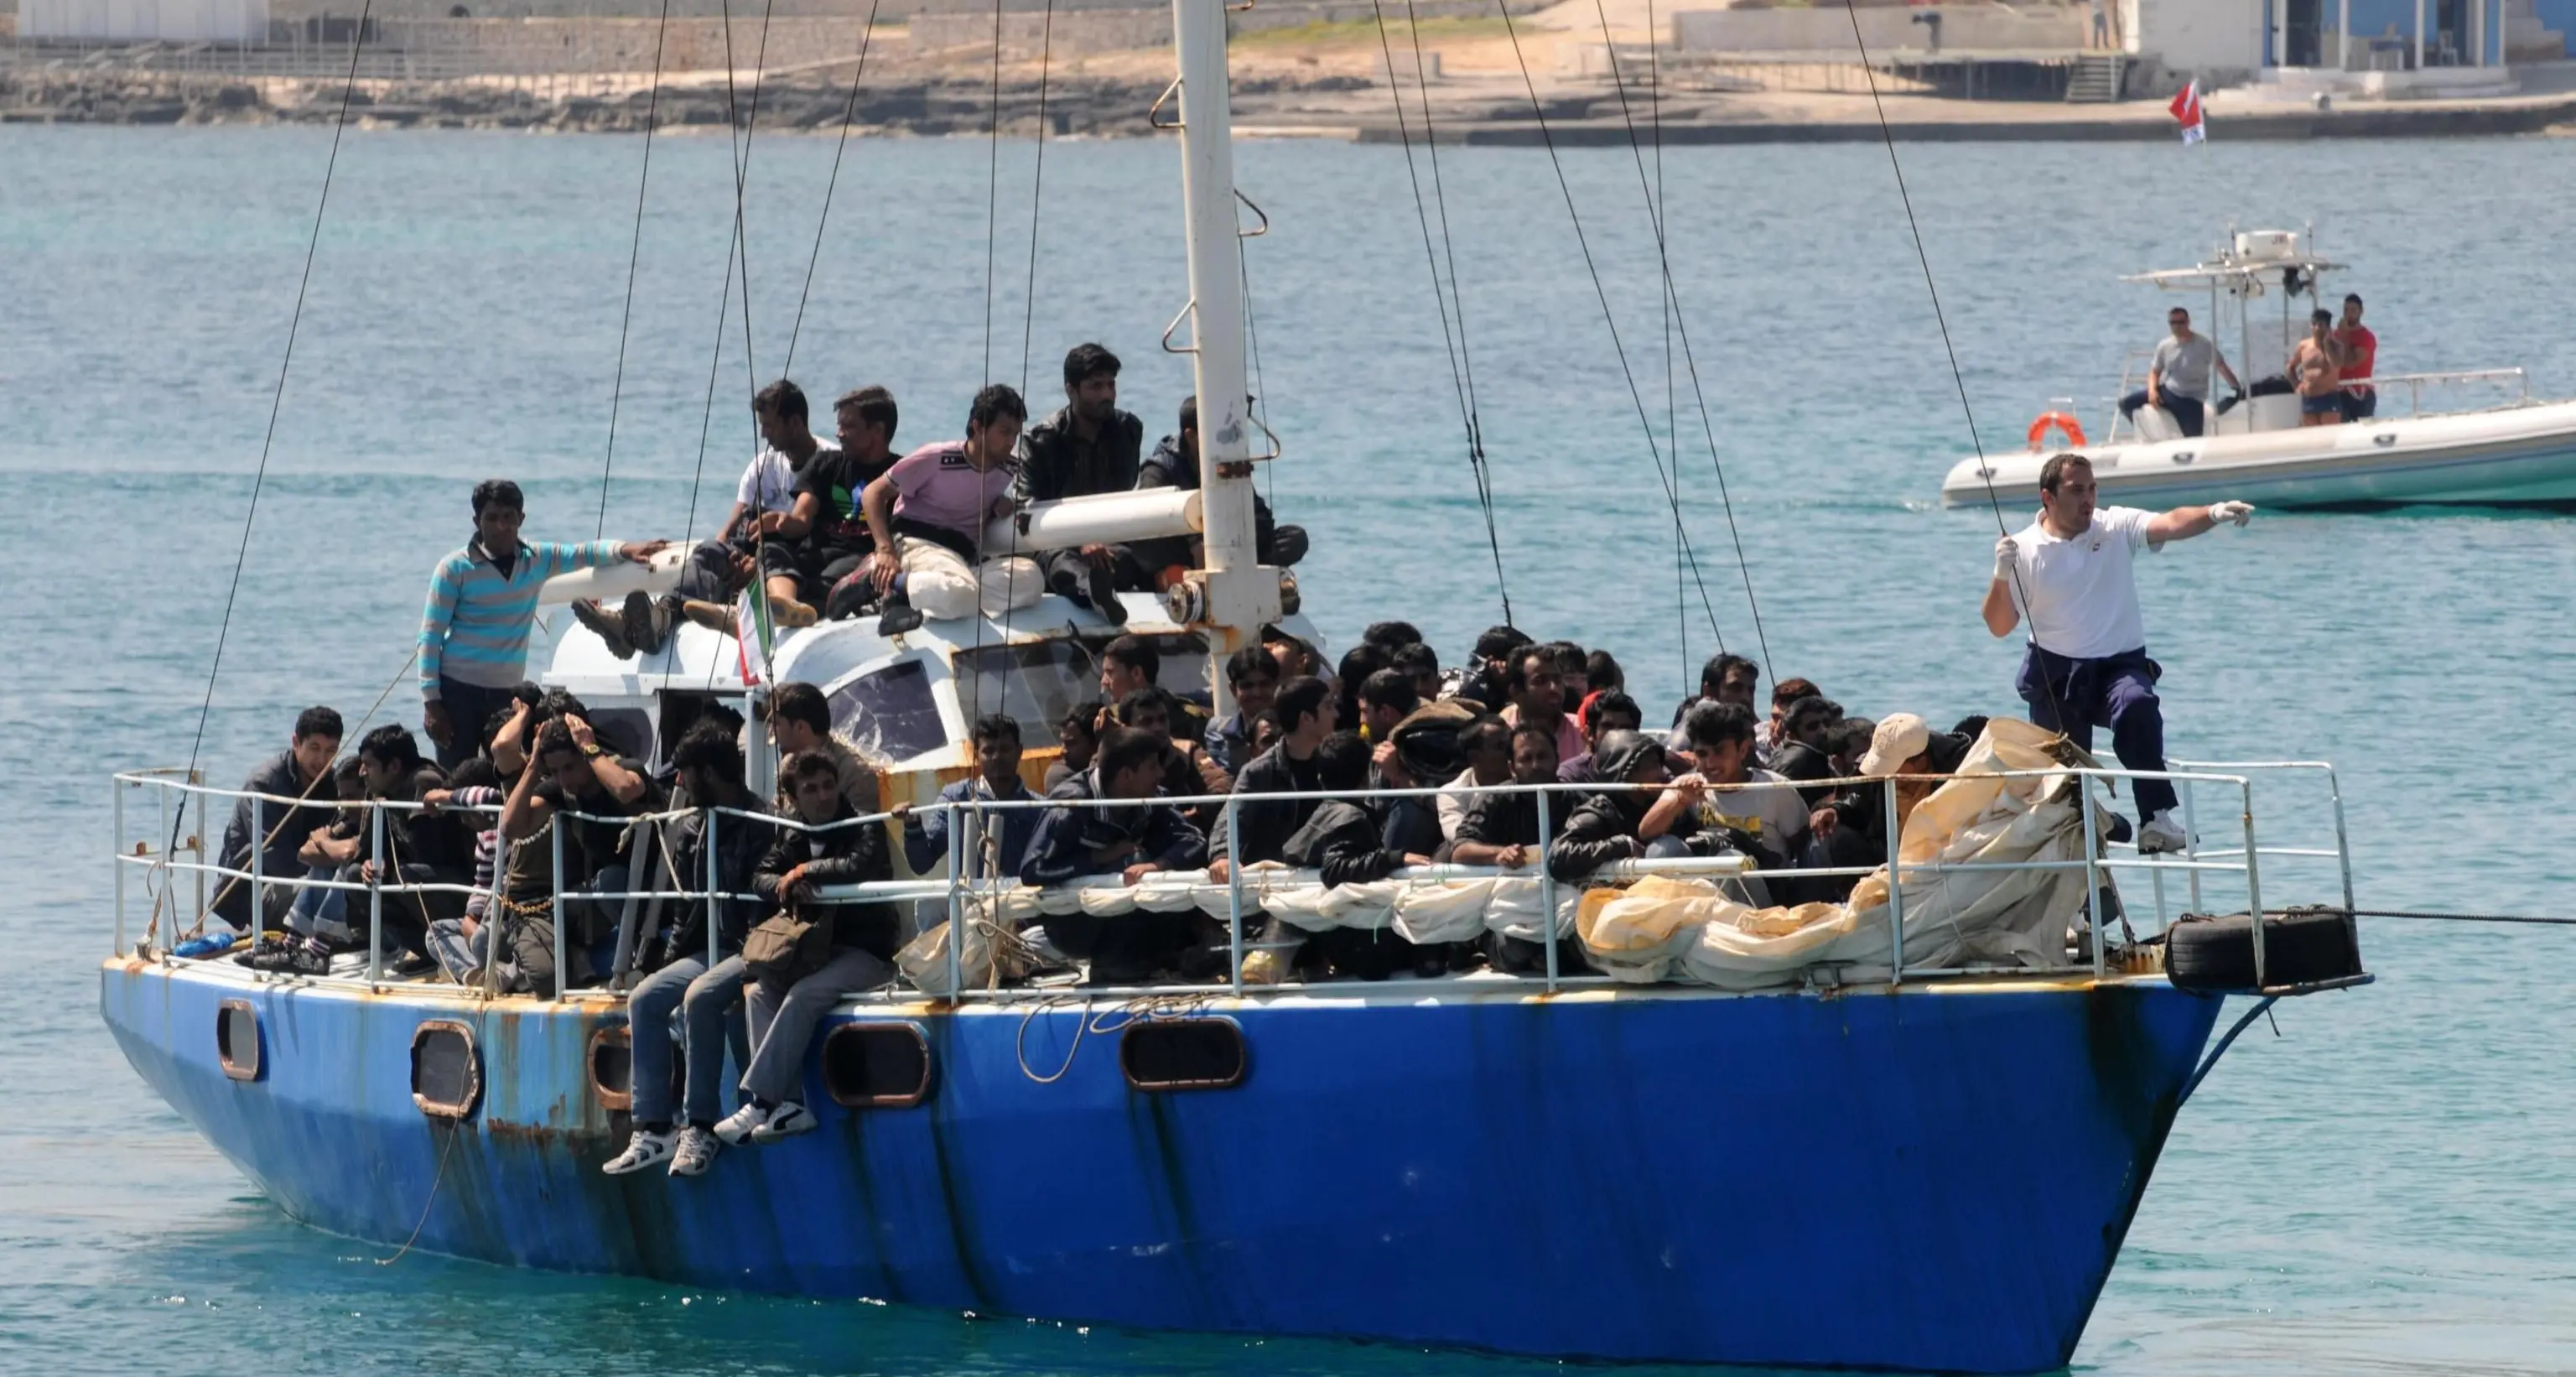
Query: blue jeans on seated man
709, 1001
2117, 691
322, 913
2188, 413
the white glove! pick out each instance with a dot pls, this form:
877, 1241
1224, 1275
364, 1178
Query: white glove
2231, 513
2007, 554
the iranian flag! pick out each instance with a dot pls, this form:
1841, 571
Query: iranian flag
2186, 111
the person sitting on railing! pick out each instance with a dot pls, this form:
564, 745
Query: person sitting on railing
927, 514
319, 917
1078, 732
800, 720
1345, 840
278, 830
811, 555
423, 847
1503, 830
1606, 711
1086, 448
570, 772
1538, 698
787, 1006
996, 779
1485, 744
1175, 464
1253, 678
1262, 827
1131, 841
684, 981
482, 602
1625, 824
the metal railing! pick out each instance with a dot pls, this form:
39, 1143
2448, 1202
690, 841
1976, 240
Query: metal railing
970, 821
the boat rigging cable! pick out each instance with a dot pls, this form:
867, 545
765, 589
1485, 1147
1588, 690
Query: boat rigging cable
276, 403
1680, 323
1547, 136
849, 113
1037, 191
992, 208
735, 248
634, 255
1462, 372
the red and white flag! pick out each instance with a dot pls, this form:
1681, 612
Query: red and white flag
2186, 111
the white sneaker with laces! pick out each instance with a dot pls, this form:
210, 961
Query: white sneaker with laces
645, 1149
786, 1121
743, 1125
2161, 834
697, 1152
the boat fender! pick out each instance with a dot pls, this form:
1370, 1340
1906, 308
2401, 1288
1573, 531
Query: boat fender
2060, 422
2301, 946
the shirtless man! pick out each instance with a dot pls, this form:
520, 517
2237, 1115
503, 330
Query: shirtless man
2316, 365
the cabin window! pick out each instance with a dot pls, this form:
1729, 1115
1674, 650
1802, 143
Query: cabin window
1183, 1054
877, 1065
237, 1039
446, 1071
612, 1067
889, 713
624, 731
1041, 681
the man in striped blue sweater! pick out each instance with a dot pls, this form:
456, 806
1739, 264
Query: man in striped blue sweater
482, 600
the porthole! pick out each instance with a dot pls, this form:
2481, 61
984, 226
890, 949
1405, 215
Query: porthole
446, 1072
612, 1067
237, 1039
1183, 1054
876, 1065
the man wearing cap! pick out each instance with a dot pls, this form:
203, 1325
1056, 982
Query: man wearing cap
1851, 830
2070, 573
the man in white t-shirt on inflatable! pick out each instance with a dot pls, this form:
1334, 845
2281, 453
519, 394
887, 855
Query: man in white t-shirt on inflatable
2070, 573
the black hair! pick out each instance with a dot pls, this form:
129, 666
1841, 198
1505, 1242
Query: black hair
2352, 298
783, 399
1480, 730
1499, 641
1791, 689
2056, 468
2321, 316
798, 701
1713, 674
526, 691
1123, 749
992, 404
1342, 762
1414, 658
994, 726
1088, 361
1136, 653
1535, 733
799, 764
1358, 663
1392, 636
499, 492
1601, 671
706, 746
1716, 724
318, 721
1608, 701
721, 715
1301, 697
1189, 413
1569, 657
1516, 668
1390, 688
559, 703
393, 744
875, 406
1971, 726
348, 778
1086, 715
552, 738
473, 772
1813, 705
1139, 701
1850, 737
1251, 662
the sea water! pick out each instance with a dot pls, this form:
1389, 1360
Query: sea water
2388, 1185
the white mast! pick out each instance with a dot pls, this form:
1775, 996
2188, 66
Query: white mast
1236, 595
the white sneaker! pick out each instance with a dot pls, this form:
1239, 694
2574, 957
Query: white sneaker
697, 1152
2161, 834
786, 1121
645, 1149
742, 1125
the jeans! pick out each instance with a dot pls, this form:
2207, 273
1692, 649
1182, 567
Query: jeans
783, 1018
2187, 412
2117, 691
705, 999
461, 956
470, 709
321, 913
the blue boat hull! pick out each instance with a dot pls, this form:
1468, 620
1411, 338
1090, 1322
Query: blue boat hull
1937, 1178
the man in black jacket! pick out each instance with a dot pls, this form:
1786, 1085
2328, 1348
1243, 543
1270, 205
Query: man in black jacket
1305, 709
1175, 464
1131, 841
1345, 840
1624, 824
1504, 830
785, 1013
426, 847
1087, 448
711, 774
278, 830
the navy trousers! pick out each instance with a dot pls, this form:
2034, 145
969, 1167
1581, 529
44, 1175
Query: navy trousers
2118, 691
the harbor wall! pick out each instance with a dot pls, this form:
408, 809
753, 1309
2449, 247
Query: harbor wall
1828, 29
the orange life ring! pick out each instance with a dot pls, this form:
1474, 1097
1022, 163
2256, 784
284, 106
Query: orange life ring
2060, 422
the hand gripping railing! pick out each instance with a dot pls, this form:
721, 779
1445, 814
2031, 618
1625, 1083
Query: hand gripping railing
968, 828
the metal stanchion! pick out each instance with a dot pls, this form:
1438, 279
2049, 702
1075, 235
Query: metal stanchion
375, 891
715, 951
554, 831
116, 791
1895, 885
1547, 887
1234, 892
956, 915
2093, 873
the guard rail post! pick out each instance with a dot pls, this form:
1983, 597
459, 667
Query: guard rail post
1895, 885
2190, 847
258, 854
116, 791
715, 948
1546, 889
2343, 845
554, 832
375, 890
2253, 882
1234, 892
2093, 871
956, 916
197, 847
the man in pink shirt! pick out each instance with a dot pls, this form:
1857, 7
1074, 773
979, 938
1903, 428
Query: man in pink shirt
931, 508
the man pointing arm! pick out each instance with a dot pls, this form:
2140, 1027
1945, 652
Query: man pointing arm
2070, 573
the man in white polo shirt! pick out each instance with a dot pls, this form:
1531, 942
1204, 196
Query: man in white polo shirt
2070, 573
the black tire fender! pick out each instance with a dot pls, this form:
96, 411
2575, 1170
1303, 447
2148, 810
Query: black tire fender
2301, 946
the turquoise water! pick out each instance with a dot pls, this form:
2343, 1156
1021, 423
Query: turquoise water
2390, 1186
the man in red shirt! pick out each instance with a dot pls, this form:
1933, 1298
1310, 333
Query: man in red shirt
2360, 351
